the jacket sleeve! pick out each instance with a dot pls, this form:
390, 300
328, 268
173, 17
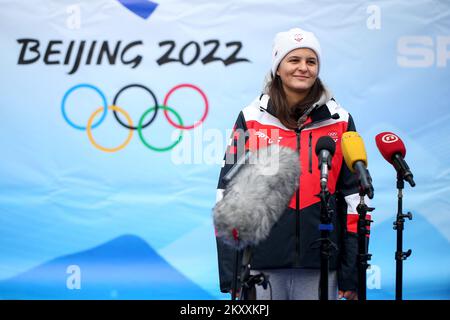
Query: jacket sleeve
235, 149
348, 199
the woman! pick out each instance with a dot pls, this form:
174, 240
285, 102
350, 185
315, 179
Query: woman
300, 110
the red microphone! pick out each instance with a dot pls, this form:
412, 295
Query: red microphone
393, 150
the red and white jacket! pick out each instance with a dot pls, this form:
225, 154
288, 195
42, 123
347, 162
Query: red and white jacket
291, 243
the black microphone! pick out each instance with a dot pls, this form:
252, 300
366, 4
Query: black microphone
401, 166
325, 149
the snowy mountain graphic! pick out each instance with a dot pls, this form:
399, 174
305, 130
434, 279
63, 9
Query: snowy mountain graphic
123, 268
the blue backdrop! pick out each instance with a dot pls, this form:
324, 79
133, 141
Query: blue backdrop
92, 208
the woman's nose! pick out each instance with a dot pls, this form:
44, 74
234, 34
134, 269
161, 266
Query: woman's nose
302, 66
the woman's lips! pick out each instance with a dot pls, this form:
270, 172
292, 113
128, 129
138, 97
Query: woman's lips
301, 77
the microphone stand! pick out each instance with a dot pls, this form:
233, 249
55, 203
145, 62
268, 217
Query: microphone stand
399, 226
236, 265
326, 244
235, 276
363, 255
248, 291
248, 281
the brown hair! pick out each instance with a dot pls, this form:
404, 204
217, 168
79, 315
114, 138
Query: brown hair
287, 115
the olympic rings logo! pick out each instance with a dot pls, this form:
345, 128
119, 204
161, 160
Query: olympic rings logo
129, 123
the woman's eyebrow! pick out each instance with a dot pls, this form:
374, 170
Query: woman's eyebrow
298, 57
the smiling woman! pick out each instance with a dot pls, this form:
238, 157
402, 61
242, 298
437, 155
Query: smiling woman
296, 110
296, 85
298, 72
295, 69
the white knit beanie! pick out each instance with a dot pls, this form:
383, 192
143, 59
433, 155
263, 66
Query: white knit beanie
287, 41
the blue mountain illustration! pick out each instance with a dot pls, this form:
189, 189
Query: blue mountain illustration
123, 268
426, 273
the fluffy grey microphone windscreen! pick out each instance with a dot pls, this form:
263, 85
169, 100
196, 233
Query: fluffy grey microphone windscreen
257, 196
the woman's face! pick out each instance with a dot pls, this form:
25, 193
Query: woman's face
298, 70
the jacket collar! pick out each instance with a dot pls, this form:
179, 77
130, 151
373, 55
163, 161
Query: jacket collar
318, 112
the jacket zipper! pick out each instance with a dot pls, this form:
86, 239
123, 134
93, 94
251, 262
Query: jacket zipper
297, 200
297, 211
310, 152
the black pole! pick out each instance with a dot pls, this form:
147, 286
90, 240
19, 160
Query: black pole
399, 225
326, 244
235, 274
248, 281
245, 274
363, 255
242, 280
399, 254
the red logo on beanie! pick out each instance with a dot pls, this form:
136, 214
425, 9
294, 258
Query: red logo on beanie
298, 37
